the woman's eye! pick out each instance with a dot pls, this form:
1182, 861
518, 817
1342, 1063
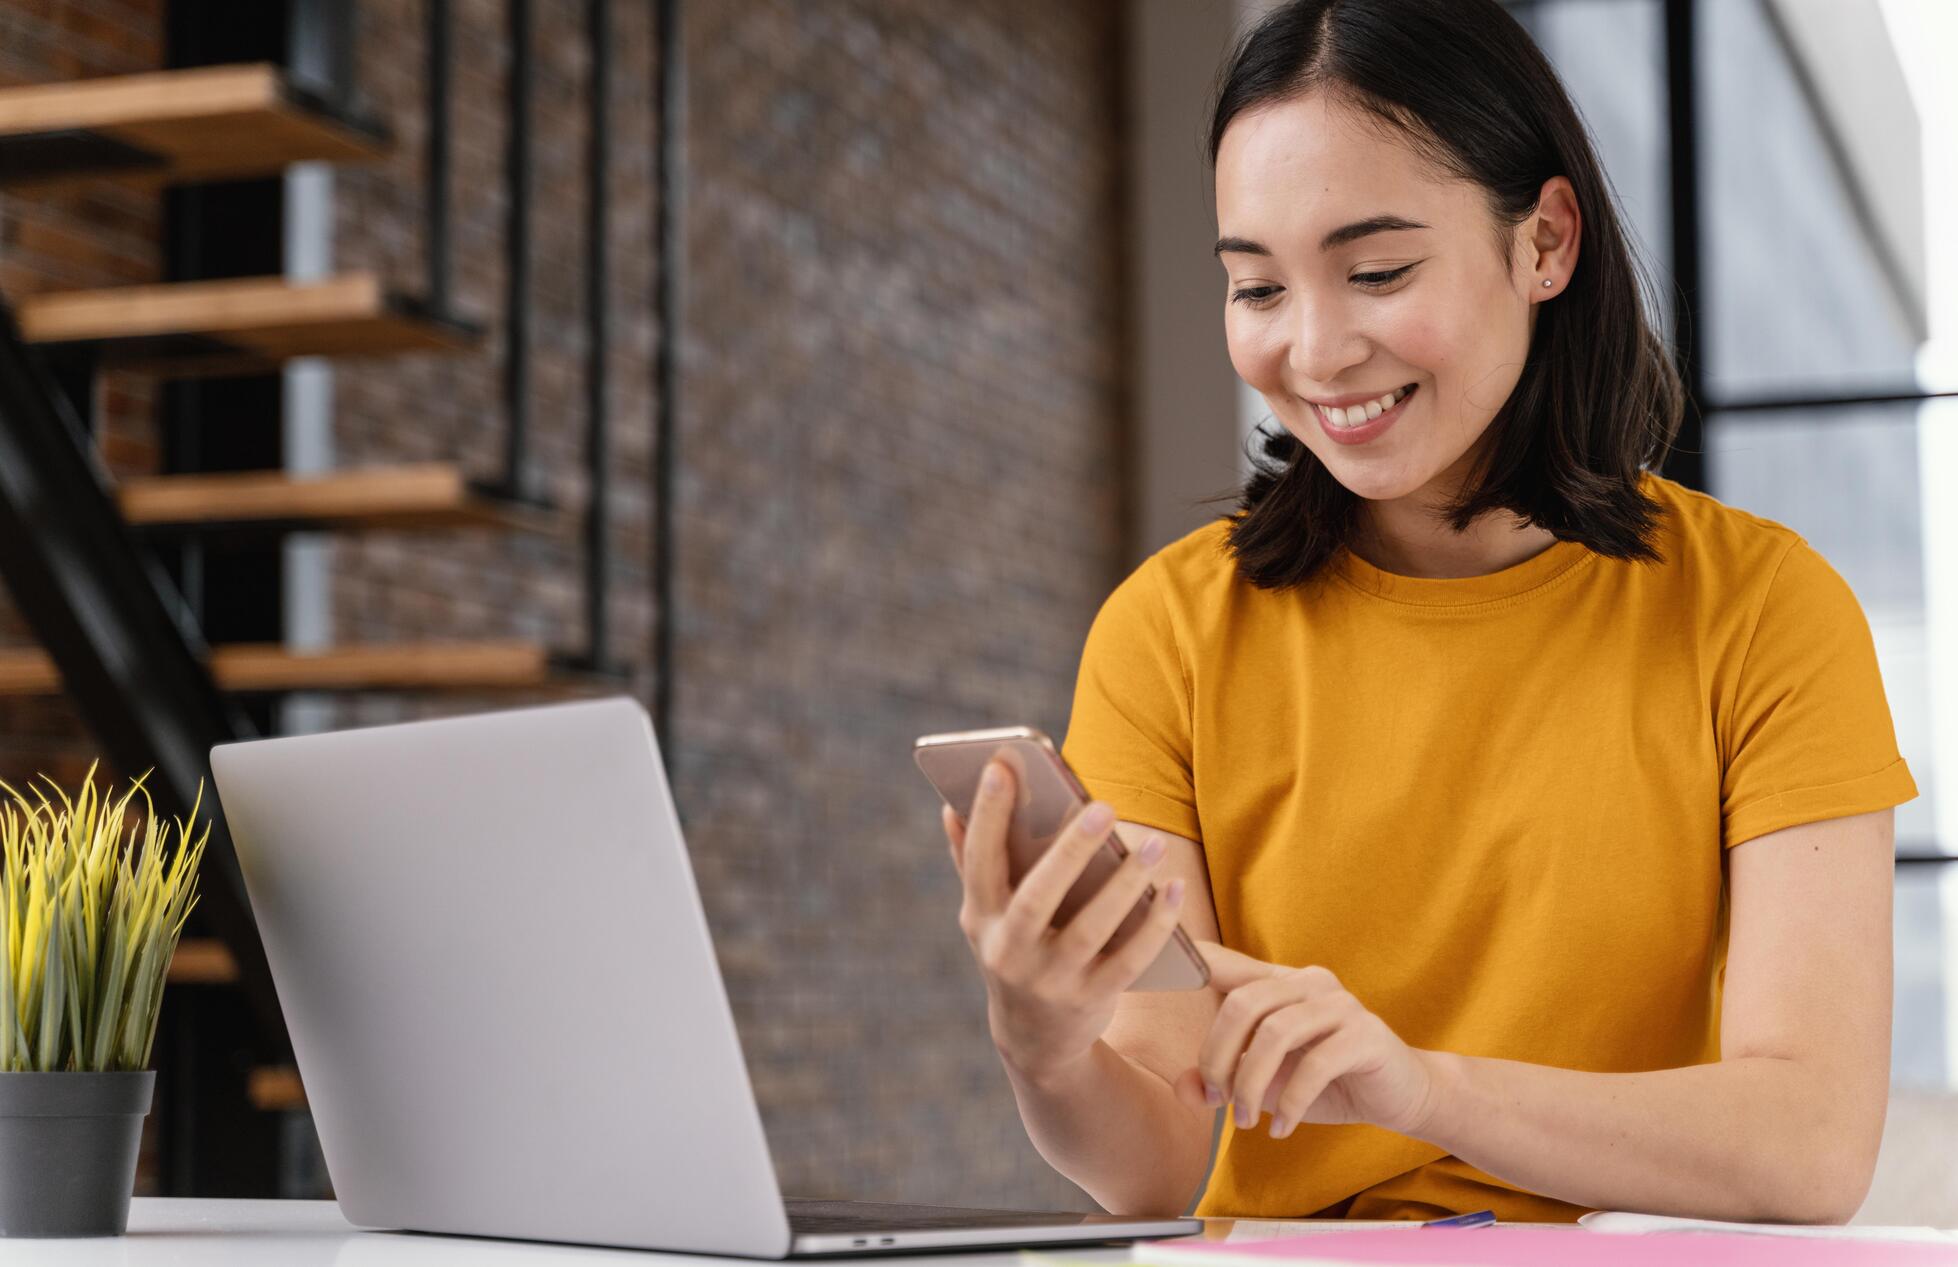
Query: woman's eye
1260, 296
1374, 281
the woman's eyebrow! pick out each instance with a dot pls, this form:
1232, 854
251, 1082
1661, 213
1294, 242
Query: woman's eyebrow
1338, 237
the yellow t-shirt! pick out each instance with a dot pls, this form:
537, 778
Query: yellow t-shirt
1496, 806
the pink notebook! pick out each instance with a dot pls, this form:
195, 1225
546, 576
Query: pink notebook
1542, 1247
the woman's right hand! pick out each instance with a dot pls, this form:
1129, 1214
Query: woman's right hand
1052, 992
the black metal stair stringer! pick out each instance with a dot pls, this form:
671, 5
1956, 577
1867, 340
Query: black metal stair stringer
96, 600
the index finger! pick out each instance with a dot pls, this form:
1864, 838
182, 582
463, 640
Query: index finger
1244, 1009
984, 850
1230, 969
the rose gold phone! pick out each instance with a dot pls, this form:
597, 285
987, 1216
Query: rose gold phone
1049, 795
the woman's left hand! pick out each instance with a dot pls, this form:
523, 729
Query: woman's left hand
1296, 1043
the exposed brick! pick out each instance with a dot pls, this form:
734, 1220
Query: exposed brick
899, 412
104, 235
896, 455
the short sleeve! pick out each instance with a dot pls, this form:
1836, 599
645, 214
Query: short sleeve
1128, 737
1810, 735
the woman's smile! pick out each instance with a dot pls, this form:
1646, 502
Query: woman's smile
1361, 422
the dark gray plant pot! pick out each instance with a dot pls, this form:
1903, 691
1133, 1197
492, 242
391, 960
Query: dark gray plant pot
68, 1151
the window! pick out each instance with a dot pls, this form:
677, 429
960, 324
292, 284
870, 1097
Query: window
1820, 219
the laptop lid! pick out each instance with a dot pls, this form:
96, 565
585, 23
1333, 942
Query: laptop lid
499, 982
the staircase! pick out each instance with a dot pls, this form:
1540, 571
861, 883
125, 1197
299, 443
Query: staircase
179, 127
208, 123
225, 122
246, 326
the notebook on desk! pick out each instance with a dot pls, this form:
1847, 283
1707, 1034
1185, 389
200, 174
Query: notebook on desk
1651, 1224
1542, 1247
505, 1003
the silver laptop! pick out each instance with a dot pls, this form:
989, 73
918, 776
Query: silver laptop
504, 1000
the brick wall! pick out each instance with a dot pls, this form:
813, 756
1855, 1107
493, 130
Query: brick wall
898, 512
487, 585
898, 494
897, 454
103, 233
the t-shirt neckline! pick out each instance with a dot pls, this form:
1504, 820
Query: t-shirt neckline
1461, 591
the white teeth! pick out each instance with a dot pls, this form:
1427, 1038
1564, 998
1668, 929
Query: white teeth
1354, 415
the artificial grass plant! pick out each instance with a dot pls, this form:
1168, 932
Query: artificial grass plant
90, 921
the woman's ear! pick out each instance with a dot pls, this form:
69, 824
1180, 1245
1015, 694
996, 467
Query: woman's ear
1551, 243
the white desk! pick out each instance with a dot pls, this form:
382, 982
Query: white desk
200, 1232
197, 1232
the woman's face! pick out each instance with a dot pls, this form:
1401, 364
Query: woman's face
1361, 273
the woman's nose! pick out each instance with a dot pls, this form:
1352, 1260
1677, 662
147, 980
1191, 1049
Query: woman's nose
1324, 346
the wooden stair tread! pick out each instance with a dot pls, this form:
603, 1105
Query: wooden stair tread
204, 123
270, 667
202, 961
425, 495
275, 1088
238, 325
409, 666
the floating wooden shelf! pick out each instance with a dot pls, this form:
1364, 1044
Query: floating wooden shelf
240, 326
432, 666
431, 495
202, 961
28, 671
207, 123
275, 1089
268, 668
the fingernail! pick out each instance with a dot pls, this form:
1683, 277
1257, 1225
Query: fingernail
1246, 1119
1174, 895
1152, 851
1098, 817
1211, 1095
993, 778
1280, 1128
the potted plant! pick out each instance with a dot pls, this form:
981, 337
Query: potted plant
89, 918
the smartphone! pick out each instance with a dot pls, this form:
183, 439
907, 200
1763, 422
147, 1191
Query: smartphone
1049, 796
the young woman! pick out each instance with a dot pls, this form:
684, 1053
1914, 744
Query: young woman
1535, 811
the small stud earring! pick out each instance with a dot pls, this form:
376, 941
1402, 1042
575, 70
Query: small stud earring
1546, 283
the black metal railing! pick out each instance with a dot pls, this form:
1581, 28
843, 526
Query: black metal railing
516, 295
669, 254
435, 206
598, 331
111, 622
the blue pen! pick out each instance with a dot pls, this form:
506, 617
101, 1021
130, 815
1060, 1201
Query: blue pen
1481, 1218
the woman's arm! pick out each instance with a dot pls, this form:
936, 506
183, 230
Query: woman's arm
1118, 1131
1786, 1125
1111, 1122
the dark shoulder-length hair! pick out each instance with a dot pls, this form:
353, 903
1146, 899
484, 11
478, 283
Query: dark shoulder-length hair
1598, 398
